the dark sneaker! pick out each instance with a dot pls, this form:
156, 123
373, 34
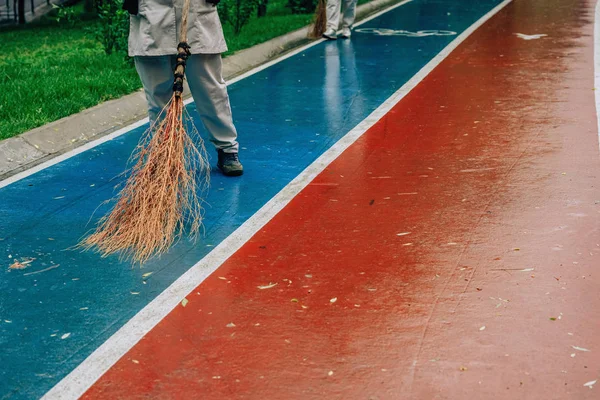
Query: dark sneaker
229, 164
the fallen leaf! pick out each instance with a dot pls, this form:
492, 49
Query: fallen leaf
42, 270
403, 234
579, 348
231, 325
552, 318
147, 274
269, 286
463, 368
333, 300
184, 302
530, 37
66, 335
590, 383
24, 263
294, 300
482, 328
17, 265
135, 361
330, 373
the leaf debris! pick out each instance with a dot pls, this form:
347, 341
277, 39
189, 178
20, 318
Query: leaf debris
580, 348
269, 286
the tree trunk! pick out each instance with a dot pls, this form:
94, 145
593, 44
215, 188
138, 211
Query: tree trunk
21, 11
89, 6
262, 8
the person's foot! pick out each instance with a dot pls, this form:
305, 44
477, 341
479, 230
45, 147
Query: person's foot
330, 34
229, 164
346, 33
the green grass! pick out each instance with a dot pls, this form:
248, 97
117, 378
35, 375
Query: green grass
47, 73
49, 70
278, 22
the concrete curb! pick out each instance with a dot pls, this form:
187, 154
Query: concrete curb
46, 142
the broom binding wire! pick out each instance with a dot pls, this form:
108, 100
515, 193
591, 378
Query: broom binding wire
183, 52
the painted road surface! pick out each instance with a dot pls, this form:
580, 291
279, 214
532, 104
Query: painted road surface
448, 253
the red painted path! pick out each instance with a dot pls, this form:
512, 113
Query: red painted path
451, 253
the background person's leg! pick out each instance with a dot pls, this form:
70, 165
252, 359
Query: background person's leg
333, 15
349, 13
156, 74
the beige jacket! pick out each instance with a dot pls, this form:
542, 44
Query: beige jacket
155, 30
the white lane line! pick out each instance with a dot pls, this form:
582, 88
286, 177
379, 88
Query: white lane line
104, 139
597, 65
92, 368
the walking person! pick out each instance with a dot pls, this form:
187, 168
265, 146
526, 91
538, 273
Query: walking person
153, 38
336, 9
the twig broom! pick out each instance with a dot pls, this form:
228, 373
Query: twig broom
161, 196
320, 21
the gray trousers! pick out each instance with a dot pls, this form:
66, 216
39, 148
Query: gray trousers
204, 77
348, 11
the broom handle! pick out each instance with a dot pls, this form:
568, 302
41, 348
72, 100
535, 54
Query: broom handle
183, 51
184, 18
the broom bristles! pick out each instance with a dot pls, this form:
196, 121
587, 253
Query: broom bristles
160, 198
320, 21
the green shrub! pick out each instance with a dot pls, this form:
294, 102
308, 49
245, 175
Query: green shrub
66, 15
302, 6
237, 13
113, 28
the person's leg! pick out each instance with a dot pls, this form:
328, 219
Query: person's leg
332, 11
349, 14
156, 74
203, 72
204, 76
